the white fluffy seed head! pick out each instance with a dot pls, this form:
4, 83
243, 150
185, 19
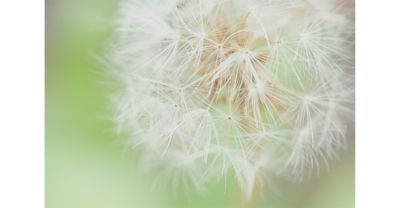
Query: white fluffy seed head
212, 86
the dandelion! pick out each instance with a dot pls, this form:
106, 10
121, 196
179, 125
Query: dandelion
249, 86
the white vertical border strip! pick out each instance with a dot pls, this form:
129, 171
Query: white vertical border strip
378, 103
21, 103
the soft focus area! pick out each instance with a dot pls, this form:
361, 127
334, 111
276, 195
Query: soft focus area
87, 164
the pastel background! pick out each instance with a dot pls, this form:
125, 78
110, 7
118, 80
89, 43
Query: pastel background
87, 164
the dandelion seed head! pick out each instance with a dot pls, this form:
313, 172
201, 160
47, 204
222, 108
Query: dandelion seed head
249, 86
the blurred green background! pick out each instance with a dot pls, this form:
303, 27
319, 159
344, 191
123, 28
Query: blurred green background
85, 161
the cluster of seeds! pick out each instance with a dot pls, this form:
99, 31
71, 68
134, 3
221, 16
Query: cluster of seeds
248, 86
